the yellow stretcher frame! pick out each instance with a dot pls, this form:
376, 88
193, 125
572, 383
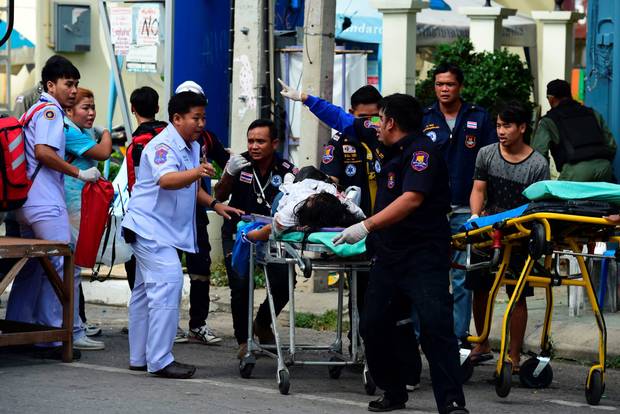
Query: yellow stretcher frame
577, 231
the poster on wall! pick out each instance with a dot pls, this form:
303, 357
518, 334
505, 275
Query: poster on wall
121, 29
142, 58
147, 26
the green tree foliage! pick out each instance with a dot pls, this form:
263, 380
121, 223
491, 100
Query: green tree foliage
490, 78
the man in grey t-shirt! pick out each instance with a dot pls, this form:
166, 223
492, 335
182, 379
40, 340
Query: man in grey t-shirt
502, 172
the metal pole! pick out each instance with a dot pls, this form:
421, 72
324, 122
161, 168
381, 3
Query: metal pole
168, 48
118, 80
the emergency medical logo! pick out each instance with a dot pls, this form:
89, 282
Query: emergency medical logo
391, 180
350, 170
328, 155
348, 149
432, 135
377, 166
419, 162
276, 180
49, 114
161, 154
372, 122
472, 124
246, 177
470, 141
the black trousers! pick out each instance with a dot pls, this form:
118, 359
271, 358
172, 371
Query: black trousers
199, 265
420, 279
240, 291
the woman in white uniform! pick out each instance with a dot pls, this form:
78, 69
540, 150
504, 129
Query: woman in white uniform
161, 220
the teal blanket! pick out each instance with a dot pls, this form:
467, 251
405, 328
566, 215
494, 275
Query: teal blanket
570, 190
325, 238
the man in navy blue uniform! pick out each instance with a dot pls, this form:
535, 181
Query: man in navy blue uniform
459, 129
409, 240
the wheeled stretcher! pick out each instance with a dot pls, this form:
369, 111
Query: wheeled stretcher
546, 231
295, 249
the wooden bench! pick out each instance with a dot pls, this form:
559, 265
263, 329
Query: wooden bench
18, 333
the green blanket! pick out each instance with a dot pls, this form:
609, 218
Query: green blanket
342, 250
570, 190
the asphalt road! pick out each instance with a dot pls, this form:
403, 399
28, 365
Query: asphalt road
100, 383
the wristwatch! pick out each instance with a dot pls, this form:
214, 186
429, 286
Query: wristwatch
213, 203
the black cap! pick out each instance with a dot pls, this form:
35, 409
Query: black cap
559, 88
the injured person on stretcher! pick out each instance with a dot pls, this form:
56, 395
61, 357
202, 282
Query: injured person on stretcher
310, 202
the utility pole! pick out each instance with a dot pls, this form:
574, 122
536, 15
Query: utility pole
317, 77
249, 65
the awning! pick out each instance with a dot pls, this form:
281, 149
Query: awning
22, 50
434, 27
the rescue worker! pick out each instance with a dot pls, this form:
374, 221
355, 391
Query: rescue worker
161, 220
350, 162
502, 172
199, 263
580, 142
360, 132
44, 214
409, 239
459, 129
252, 180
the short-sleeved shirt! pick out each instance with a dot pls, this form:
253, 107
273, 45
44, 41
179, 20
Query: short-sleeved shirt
45, 128
413, 165
167, 216
246, 191
473, 129
353, 164
78, 141
506, 180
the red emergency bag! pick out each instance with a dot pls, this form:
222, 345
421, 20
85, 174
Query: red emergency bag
96, 211
14, 182
134, 150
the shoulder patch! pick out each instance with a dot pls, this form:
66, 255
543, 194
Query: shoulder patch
372, 122
49, 115
276, 180
328, 154
419, 161
161, 154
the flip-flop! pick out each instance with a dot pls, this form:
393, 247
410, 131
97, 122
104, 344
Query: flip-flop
477, 359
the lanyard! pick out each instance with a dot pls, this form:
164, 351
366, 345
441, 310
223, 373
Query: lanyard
261, 197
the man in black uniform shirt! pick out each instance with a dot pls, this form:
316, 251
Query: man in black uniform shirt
409, 238
252, 180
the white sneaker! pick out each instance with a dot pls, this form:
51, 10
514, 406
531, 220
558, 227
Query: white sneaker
87, 344
92, 329
181, 337
411, 388
205, 335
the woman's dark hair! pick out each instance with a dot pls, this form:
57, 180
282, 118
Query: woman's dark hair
324, 210
313, 173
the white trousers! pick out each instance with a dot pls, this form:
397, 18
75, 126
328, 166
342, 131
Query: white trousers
32, 298
154, 304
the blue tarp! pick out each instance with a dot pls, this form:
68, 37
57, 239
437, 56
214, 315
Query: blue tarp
17, 39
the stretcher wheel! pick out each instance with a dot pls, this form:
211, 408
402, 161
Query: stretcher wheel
369, 383
284, 382
245, 369
307, 267
595, 391
526, 374
536, 244
467, 370
503, 381
334, 370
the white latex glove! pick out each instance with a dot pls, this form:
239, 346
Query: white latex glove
351, 234
473, 217
289, 92
235, 164
92, 174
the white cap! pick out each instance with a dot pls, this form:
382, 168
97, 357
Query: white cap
189, 86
